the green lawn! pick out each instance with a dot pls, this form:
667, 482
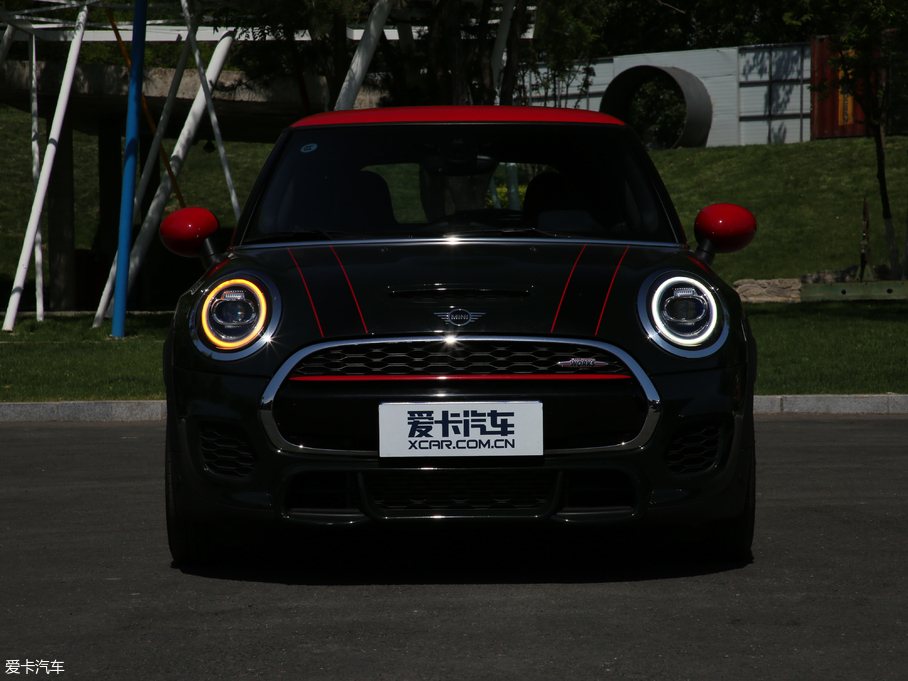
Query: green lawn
64, 358
807, 199
811, 348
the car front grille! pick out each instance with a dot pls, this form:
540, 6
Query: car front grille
329, 398
474, 357
694, 449
226, 451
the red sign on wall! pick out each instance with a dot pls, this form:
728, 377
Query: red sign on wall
833, 113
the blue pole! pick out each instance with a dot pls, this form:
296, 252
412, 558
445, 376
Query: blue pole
127, 196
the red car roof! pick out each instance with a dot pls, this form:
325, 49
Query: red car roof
458, 114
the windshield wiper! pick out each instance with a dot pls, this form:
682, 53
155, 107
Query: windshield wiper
296, 235
507, 231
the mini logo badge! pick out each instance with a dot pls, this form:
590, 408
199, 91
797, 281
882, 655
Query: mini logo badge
459, 317
581, 363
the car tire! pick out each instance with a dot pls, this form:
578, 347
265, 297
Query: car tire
732, 539
190, 542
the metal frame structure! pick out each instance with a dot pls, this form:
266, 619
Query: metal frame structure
38, 25
43, 23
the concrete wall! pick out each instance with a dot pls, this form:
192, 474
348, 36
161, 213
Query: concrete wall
759, 93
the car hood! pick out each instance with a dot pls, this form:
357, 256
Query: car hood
568, 288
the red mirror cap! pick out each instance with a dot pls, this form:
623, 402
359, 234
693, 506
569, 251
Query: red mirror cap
184, 230
728, 226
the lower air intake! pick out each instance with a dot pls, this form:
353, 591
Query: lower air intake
471, 491
226, 451
694, 449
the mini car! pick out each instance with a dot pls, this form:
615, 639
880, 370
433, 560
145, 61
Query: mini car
452, 314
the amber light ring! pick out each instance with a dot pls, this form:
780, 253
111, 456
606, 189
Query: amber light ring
259, 301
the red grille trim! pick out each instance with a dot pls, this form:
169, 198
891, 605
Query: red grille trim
469, 377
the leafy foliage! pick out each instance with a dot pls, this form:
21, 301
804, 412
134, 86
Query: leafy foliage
867, 36
657, 112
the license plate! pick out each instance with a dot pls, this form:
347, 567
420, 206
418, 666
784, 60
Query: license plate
420, 429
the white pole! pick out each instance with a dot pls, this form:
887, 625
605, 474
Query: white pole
36, 173
363, 55
210, 103
44, 179
162, 126
6, 42
152, 220
501, 41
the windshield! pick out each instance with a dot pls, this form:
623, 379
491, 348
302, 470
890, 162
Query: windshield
448, 180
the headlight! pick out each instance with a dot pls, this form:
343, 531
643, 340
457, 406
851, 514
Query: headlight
234, 313
682, 314
684, 311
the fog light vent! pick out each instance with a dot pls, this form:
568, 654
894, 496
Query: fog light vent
226, 451
694, 449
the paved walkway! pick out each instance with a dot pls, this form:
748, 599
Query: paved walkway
156, 410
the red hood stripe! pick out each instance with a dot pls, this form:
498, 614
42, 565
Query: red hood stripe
566, 284
311, 302
607, 293
352, 292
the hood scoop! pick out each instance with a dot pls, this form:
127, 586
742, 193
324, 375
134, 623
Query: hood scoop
435, 294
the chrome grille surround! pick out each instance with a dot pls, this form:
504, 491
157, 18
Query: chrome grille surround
653, 409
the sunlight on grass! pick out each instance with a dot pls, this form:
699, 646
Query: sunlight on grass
63, 358
807, 199
806, 349
831, 348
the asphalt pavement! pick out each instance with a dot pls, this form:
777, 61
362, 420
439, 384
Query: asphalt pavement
86, 579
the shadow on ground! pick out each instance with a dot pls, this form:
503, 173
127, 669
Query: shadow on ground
465, 555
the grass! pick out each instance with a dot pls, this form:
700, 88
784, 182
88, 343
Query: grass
811, 348
63, 358
807, 199
831, 348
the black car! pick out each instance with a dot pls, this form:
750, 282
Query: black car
459, 314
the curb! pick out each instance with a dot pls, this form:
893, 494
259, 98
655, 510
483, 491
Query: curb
831, 404
156, 410
132, 410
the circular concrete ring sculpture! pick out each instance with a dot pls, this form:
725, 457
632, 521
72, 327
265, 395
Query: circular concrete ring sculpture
699, 117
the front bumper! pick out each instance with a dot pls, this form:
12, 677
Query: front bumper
692, 467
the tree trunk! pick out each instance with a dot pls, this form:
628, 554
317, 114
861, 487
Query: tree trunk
877, 132
333, 52
61, 218
485, 54
457, 53
509, 74
438, 77
905, 252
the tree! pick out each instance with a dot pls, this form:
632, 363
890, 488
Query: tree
866, 35
276, 23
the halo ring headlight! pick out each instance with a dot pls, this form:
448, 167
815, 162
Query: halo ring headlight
236, 316
684, 311
682, 314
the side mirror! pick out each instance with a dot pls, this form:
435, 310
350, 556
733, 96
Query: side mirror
723, 228
189, 232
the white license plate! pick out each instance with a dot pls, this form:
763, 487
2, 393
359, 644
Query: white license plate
420, 429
